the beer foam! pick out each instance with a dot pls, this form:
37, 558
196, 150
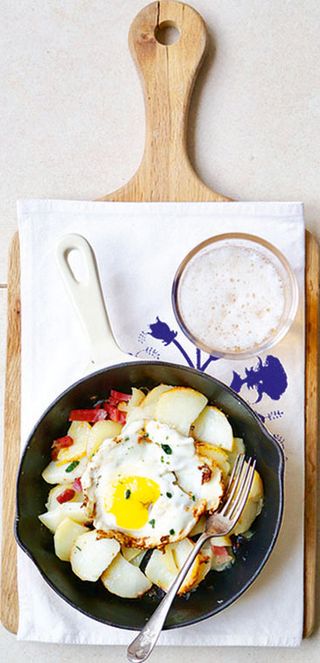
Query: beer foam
231, 298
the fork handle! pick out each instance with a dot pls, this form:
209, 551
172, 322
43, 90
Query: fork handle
142, 646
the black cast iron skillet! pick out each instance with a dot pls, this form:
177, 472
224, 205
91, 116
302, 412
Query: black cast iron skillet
218, 590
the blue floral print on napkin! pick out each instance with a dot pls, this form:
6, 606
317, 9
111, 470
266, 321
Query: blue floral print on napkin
267, 376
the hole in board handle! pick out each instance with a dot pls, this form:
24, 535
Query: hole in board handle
167, 33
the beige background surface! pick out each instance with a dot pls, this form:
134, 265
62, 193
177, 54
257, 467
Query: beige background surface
72, 126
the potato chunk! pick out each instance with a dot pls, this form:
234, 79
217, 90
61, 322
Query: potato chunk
147, 407
181, 550
133, 555
65, 535
215, 454
90, 556
159, 570
65, 473
253, 506
163, 567
179, 407
79, 431
238, 448
124, 579
52, 502
101, 431
74, 510
213, 427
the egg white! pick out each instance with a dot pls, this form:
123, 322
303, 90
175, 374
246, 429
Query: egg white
153, 451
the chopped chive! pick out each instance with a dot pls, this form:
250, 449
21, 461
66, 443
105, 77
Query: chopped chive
169, 495
172, 532
72, 465
152, 522
162, 459
194, 498
78, 548
127, 493
166, 449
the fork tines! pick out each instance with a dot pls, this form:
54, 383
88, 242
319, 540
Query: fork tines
239, 487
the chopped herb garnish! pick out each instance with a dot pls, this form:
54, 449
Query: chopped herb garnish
169, 495
72, 465
126, 439
152, 522
166, 449
172, 532
162, 459
78, 548
127, 493
194, 498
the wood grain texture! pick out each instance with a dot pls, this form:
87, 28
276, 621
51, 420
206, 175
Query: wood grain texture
165, 174
11, 448
311, 431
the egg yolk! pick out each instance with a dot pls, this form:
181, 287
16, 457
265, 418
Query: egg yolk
130, 499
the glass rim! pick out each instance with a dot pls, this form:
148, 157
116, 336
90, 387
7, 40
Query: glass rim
284, 326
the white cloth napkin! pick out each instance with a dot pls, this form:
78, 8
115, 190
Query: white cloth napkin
138, 247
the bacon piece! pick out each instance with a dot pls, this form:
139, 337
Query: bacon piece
60, 443
66, 496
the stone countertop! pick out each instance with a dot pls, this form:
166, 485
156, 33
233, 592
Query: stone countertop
72, 126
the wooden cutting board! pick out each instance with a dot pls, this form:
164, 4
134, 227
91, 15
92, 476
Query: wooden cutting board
165, 174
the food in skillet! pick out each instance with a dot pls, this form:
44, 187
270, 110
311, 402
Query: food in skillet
136, 477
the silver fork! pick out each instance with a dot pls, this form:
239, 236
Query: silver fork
219, 524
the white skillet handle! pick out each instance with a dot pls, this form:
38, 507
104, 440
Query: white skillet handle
88, 301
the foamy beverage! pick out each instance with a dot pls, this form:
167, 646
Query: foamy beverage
231, 295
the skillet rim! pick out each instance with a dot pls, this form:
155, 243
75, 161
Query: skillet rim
280, 474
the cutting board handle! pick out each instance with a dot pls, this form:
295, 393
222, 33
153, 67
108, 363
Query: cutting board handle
168, 74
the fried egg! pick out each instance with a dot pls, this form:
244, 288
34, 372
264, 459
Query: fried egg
147, 486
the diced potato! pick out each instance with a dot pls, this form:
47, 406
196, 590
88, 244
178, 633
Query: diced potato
253, 506
136, 414
170, 560
163, 568
52, 502
91, 556
215, 454
249, 514
157, 570
136, 399
153, 396
181, 550
101, 431
79, 431
179, 407
238, 448
199, 527
74, 510
124, 579
66, 473
221, 541
213, 427
206, 555
65, 535
256, 490
130, 553
146, 408
136, 561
